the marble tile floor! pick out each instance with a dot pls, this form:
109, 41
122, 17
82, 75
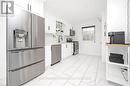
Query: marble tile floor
78, 70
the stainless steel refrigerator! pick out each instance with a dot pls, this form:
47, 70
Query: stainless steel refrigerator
25, 47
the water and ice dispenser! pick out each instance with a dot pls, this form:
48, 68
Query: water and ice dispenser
20, 38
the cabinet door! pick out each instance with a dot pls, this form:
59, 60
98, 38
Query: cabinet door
22, 3
64, 51
48, 55
117, 15
69, 49
37, 7
72, 48
50, 25
67, 30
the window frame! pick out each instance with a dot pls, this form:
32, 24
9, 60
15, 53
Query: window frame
85, 27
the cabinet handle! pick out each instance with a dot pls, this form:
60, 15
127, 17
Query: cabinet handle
15, 52
48, 27
28, 6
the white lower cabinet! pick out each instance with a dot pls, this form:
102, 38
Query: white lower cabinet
47, 55
118, 72
64, 52
67, 50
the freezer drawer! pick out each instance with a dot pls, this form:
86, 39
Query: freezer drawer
19, 77
38, 30
37, 54
56, 54
19, 59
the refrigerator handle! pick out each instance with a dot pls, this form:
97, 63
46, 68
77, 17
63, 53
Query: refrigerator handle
28, 6
15, 51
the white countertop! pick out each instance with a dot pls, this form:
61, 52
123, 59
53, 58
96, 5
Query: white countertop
50, 44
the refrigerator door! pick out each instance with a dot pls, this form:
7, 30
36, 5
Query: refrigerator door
19, 77
38, 30
19, 29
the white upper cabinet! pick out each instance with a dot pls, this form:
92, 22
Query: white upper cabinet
117, 15
50, 23
67, 30
22, 3
34, 6
37, 7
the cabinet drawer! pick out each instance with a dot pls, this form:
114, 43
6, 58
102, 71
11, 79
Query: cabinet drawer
37, 55
18, 59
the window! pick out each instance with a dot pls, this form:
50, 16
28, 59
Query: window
88, 33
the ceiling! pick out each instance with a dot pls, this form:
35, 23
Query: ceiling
76, 11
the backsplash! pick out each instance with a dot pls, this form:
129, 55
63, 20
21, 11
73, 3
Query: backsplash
50, 38
53, 38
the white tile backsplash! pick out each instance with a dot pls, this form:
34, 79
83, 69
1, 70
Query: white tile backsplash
50, 38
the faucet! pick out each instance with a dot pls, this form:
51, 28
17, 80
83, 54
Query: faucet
60, 38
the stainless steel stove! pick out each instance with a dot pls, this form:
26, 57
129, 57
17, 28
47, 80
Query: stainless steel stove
75, 47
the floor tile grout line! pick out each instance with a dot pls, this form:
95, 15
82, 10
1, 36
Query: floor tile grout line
67, 80
85, 73
54, 80
96, 72
73, 73
88, 62
71, 64
75, 63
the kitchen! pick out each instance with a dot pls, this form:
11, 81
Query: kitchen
65, 43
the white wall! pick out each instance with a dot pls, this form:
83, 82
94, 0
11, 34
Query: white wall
2, 51
86, 47
104, 36
50, 38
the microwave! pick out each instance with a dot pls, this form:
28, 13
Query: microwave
72, 32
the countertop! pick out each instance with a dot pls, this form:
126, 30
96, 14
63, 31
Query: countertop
50, 44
